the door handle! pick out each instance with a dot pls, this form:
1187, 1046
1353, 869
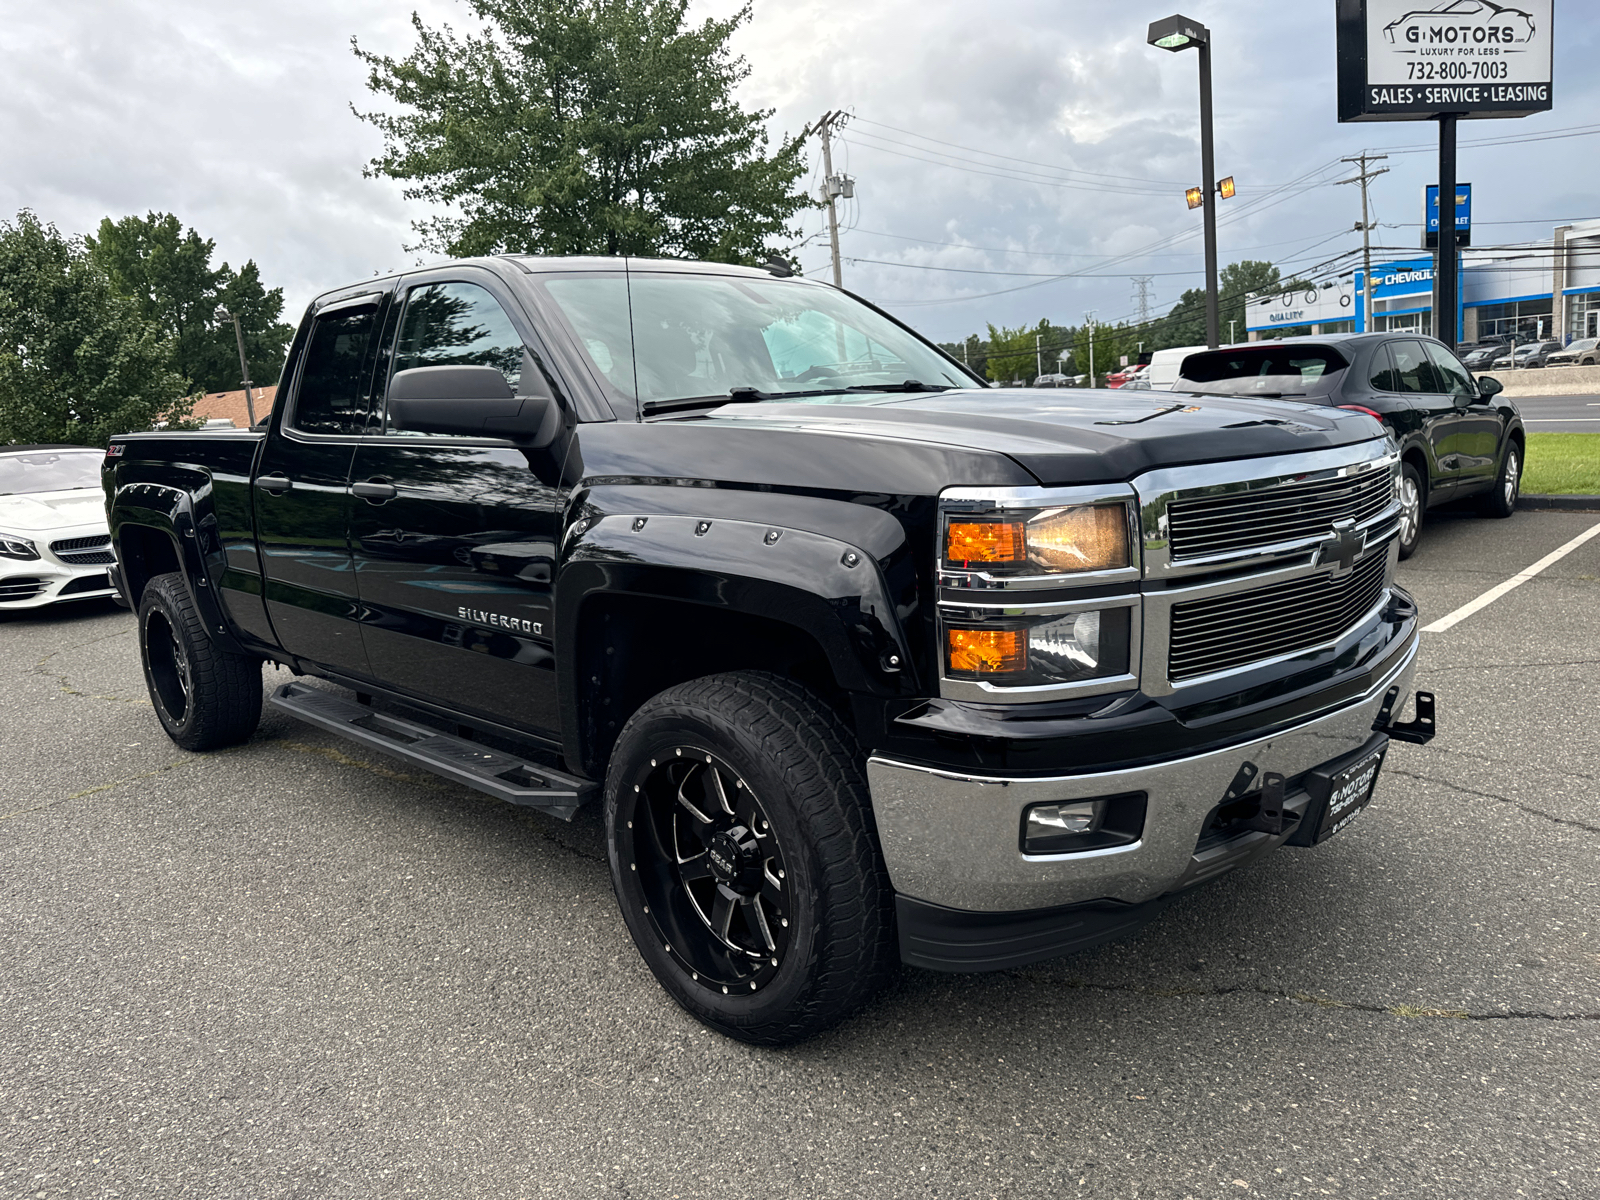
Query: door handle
374, 491
277, 483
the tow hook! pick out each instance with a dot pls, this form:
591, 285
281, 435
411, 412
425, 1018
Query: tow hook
1419, 732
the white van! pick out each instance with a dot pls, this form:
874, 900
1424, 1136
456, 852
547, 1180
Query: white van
1164, 365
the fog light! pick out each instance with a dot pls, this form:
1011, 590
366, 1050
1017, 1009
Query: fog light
1074, 825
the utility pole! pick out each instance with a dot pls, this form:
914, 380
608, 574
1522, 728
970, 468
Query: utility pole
1232, 321
1088, 319
833, 186
1363, 179
1038, 355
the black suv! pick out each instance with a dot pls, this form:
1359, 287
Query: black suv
1457, 440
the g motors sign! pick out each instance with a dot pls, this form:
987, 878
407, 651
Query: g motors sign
1411, 60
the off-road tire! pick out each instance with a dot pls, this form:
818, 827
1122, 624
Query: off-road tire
791, 756
1501, 500
1411, 485
206, 697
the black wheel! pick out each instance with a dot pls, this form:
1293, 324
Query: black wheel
1413, 498
1501, 500
206, 697
745, 859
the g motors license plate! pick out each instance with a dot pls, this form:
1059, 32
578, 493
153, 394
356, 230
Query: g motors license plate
1349, 791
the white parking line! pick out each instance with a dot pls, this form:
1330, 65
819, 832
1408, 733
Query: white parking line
1556, 420
1516, 581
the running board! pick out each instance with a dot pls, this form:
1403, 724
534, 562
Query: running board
514, 780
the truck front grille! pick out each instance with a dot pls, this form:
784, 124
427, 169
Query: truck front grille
1204, 525
84, 551
1228, 631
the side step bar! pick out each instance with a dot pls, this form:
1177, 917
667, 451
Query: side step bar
514, 780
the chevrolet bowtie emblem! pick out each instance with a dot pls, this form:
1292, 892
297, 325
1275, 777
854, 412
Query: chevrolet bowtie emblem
1341, 549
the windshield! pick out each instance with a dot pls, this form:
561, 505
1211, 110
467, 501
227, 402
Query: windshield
49, 471
1254, 370
702, 336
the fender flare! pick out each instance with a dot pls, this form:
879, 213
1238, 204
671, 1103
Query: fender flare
186, 522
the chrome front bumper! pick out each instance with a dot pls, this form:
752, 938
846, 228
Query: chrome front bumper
954, 839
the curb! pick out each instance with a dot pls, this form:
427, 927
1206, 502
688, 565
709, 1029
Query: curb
1560, 503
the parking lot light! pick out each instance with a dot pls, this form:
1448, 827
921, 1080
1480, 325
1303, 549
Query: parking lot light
1178, 33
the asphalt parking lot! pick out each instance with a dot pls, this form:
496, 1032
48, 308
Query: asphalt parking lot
296, 970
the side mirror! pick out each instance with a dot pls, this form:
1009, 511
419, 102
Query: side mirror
474, 401
1489, 386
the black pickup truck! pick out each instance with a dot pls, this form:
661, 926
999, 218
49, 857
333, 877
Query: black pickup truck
866, 662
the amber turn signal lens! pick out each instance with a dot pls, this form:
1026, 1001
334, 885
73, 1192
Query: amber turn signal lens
986, 542
1081, 539
987, 651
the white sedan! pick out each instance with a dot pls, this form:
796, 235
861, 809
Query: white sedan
54, 541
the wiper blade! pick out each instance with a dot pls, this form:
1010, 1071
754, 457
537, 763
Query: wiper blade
910, 385
740, 395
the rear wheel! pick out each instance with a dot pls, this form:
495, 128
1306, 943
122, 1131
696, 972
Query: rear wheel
1412, 499
1501, 501
744, 857
205, 696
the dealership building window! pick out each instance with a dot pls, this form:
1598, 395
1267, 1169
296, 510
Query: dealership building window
1583, 315
1525, 320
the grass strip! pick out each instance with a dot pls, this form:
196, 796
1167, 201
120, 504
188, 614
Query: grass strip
1562, 464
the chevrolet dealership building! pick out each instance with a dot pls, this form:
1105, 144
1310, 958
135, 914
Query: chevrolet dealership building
1544, 291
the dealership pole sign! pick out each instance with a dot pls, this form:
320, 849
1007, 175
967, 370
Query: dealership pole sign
1413, 60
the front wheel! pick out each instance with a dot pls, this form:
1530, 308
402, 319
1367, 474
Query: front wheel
1501, 501
1412, 499
205, 696
744, 857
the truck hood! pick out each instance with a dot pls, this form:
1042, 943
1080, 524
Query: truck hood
48, 512
1077, 436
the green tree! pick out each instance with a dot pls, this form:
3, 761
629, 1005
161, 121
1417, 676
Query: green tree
1014, 353
167, 272
1185, 325
584, 127
78, 362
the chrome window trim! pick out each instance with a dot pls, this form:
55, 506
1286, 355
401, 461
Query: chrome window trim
972, 501
989, 693
1158, 489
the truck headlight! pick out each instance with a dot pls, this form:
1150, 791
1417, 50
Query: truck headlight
1016, 649
1057, 540
12, 546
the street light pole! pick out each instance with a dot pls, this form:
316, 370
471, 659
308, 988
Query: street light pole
222, 314
1177, 33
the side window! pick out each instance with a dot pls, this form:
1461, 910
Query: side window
1384, 377
1452, 376
457, 324
333, 396
1411, 369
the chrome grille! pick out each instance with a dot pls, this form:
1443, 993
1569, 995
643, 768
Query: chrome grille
84, 551
1223, 632
1205, 525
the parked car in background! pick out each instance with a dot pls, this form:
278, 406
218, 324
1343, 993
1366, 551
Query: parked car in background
1525, 355
54, 542
1582, 353
1476, 356
1052, 380
1164, 364
1458, 437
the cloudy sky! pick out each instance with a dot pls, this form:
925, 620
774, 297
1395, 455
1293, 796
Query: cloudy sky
994, 145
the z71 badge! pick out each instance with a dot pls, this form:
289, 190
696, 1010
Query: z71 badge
479, 617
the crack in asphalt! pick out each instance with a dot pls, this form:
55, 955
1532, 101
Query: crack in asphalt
102, 787
1532, 812
65, 683
1409, 1011
1576, 662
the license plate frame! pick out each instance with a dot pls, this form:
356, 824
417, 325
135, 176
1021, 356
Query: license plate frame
1348, 791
